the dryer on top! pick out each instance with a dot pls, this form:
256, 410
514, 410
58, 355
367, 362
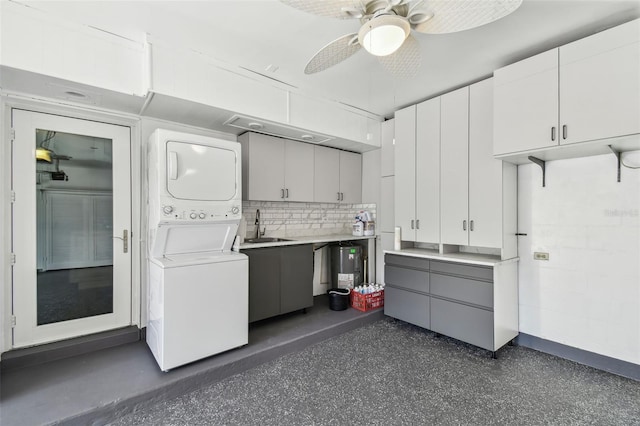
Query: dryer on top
193, 178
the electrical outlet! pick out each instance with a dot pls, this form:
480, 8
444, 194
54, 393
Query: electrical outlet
538, 255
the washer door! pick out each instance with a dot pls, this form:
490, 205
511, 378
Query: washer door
201, 172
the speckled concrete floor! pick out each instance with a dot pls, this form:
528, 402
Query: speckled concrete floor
390, 373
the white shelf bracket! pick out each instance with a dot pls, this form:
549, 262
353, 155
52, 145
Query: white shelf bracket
542, 165
617, 154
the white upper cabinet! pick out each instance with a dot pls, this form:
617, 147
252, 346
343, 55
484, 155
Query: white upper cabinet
485, 172
275, 169
387, 153
188, 75
337, 176
32, 40
584, 91
454, 172
478, 192
600, 85
417, 172
526, 104
427, 158
405, 172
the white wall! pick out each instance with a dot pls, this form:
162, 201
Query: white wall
588, 294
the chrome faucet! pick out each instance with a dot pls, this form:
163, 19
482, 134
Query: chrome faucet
258, 233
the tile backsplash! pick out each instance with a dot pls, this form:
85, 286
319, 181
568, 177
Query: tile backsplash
283, 219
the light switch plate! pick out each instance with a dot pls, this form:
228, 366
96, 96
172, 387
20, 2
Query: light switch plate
538, 255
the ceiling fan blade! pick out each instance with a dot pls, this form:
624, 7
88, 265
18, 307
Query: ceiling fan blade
333, 53
450, 16
341, 9
404, 62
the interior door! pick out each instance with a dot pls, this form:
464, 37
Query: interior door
71, 222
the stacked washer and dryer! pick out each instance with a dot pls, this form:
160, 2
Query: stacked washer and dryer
198, 286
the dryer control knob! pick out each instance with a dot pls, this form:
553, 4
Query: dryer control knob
202, 215
193, 215
235, 209
167, 209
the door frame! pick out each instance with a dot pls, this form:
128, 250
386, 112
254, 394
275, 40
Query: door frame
7, 103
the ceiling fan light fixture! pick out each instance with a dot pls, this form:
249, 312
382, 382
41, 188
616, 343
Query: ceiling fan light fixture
384, 34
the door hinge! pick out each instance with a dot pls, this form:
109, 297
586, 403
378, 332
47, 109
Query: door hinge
12, 258
13, 321
13, 197
13, 134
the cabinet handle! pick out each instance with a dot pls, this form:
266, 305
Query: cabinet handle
464, 225
338, 196
342, 196
471, 225
412, 224
417, 223
281, 192
553, 133
564, 131
287, 192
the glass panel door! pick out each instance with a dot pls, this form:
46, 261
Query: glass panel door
71, 218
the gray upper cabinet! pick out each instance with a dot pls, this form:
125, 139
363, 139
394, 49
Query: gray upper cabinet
276, 169
337, 176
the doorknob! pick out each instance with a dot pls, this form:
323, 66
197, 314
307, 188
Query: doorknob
125, 241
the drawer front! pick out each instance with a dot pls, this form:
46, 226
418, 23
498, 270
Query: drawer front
462, 322
407, 306
462, 289
409, 279
479, 272
411, 262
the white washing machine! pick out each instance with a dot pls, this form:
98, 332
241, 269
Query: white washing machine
198, 287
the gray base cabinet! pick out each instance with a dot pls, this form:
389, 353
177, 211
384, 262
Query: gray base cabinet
280, 280
472, 303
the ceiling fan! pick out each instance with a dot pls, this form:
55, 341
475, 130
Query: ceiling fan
385, 27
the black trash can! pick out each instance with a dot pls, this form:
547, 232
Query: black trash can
338, 298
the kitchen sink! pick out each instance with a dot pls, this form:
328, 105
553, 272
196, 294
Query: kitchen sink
264, 240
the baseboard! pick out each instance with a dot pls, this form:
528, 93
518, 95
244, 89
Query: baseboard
591, 359
20, 358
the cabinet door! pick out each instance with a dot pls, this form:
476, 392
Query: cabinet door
526, 104
405, 172
600, 85
266, 168
428, 171
387, 166
326, 182
350, 177
485, 172
264, 282
298, 171
386, 220
296, 278
454, 169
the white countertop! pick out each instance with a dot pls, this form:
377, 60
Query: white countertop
469, 258
311, 239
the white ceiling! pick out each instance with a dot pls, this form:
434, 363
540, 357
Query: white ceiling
255, 34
